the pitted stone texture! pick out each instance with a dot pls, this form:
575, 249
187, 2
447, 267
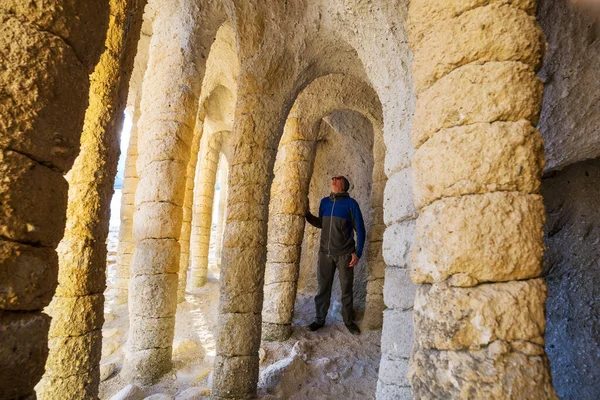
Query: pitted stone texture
495, 91
239, 373
69, 20
147, 332
156, 256
478, 158
397, 243
34, 201
151, 295
146, 366
286, 229
23, 349
276, 332
74, 316
279, 302
426, 15
393, 392
236, 331
52, 83
449, 318
497, 372
490, 237
478, 36
27, 276
393, 372
398, 198
399, 291
82, 351
397, 334
569, 122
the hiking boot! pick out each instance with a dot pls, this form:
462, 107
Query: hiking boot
353, 328
315, 325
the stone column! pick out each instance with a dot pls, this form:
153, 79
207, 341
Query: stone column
373, 318
186, 227
222, 212
479, 314
287, 209
126, 243
47, 52
169, 104
77, 310
203, 207
259, 121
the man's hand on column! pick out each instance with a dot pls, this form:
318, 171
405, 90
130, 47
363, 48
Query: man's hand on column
354, 260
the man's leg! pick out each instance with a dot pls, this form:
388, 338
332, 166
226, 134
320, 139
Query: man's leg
325, 272
346, 282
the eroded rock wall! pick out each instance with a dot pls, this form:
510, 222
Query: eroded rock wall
572, 272
570, 120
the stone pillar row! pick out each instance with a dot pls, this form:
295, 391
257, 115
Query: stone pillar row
204, 193
169, 104
48, 51
222, 213
77, 309
186, 227
287, 208
479, 312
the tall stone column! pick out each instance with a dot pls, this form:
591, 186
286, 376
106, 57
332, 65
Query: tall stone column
186, 227
373, 317
126, 243
47, 51
479, 314
287, 209
169, 104
259, 121
77, 310
203, 207
222, 212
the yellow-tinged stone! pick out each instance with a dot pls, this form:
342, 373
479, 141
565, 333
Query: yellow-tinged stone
478, 36
500, 371
489, 237
478, 158
495, 91
449, 318
425, 15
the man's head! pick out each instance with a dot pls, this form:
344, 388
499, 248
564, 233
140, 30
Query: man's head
339, 184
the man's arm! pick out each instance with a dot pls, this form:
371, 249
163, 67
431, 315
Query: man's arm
315, 221
359, 226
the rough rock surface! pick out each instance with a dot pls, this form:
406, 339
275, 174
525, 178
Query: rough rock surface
510, 311
478, 158
499, 371
452, 239
572, 272
569, 120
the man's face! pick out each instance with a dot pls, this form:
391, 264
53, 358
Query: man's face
337, 184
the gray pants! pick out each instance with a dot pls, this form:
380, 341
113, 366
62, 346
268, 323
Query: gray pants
325, 273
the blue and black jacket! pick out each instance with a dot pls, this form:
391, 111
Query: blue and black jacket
339, 216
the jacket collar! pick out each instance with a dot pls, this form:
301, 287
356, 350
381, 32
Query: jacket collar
340, 195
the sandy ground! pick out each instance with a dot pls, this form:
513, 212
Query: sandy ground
327, 364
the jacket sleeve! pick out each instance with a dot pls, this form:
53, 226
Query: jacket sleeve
359, 227
315, 221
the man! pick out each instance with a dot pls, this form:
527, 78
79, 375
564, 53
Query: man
339, 216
